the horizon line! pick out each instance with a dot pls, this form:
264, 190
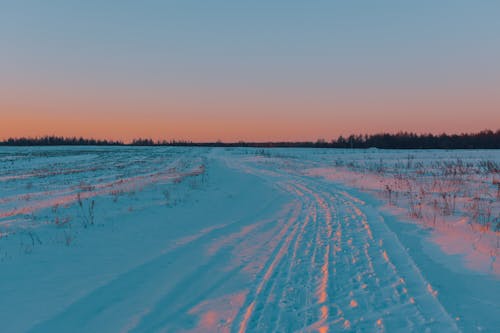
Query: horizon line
218, 141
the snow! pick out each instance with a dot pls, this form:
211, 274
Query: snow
164, 239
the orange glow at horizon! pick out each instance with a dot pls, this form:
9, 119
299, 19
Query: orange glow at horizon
243, 118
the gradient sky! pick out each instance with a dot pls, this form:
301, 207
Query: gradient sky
247, 70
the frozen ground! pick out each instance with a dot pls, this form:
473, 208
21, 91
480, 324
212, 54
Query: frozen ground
231, 240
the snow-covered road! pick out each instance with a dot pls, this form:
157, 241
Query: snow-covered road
256, 249
336, 266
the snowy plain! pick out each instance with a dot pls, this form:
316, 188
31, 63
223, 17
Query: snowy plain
178, 239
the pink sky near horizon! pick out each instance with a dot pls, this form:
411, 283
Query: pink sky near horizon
248, 118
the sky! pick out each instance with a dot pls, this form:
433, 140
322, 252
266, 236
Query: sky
247, 70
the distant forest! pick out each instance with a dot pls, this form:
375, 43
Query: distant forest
486, 139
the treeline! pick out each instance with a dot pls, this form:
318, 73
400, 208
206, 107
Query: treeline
482, 140
486, 139
58, 141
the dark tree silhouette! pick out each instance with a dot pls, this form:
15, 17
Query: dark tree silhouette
58, 141
486, 139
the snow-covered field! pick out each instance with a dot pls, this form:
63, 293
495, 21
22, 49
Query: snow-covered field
164, 239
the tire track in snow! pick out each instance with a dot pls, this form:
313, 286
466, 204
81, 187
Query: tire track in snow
290, 291
322, 236
282, 274
163, 317
280, 250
